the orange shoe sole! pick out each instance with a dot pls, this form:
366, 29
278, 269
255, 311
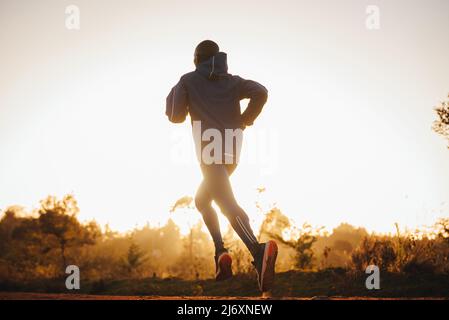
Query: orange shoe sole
224, 267
268, 266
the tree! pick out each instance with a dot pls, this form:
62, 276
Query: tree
135, 258
342, 241
441, 125
57, 220
183, 202
20, 244
378, 251
301, 240
442, 228
8, 223
303, 247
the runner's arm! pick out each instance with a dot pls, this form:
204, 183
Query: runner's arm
176, 103
257, 94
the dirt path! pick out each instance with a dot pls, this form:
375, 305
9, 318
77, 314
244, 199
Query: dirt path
60, 296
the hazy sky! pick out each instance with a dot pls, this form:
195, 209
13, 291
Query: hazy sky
345, 136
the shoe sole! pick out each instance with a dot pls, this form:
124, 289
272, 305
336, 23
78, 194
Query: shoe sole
224, 267
268, 266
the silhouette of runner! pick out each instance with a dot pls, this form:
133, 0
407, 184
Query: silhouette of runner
212, 98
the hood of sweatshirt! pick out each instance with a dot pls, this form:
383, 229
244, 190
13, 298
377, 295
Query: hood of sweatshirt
214, 67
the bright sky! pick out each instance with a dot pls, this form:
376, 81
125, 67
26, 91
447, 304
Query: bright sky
345, 136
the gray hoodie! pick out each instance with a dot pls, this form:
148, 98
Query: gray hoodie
212, 95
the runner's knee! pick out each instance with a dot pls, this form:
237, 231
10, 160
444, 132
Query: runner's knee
202, 202
231, 211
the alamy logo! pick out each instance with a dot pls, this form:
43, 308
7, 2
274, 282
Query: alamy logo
212, 146
72, 20
372, 21
212, 153
373, 281
73, 280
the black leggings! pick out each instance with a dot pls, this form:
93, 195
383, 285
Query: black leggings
217, 187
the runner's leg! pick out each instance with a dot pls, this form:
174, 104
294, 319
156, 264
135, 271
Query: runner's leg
216, 182
203, 202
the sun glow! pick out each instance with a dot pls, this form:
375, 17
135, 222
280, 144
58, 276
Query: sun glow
345, 135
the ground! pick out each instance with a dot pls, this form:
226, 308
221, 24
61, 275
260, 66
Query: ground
62, 296
328, 284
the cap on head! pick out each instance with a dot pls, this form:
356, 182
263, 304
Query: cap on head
204, 50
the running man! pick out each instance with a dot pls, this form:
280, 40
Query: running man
212, 98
